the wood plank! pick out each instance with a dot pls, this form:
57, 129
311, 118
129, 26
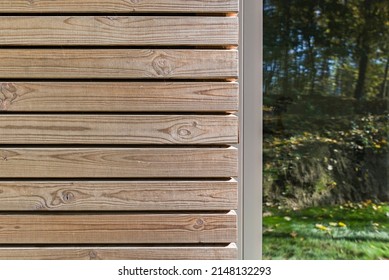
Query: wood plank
118, 229
114, 129
118, 195
118, 63
118, 97
118, 162
117, 6
118, 31
229, 252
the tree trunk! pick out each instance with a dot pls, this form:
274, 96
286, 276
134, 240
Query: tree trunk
384, 86
337, 89
359, 93
312, 70
363, 50
286, 39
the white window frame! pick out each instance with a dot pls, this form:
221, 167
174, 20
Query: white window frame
250, 183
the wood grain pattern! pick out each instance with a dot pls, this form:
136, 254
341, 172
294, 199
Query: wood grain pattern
229, 252
118, 63
116, 120
117, 6
118, 196
118, 229
118, 97
117, 31
123, 129
118, 162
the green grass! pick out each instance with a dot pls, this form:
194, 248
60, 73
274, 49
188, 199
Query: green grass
351, 231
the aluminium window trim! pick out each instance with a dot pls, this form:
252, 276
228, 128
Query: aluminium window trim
250, 113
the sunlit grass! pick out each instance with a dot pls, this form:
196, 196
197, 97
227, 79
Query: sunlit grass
350, 231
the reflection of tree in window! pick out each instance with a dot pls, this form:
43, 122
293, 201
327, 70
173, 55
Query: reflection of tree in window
326, 95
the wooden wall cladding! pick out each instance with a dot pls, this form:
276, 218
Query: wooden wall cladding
119, 6
117, 129
118, 228
211, 195
118, 64
118, 162
123, 252
118, 30
119, 96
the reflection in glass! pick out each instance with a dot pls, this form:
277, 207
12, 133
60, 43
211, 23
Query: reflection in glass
326, 94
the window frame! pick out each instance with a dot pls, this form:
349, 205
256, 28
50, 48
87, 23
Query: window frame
250, 179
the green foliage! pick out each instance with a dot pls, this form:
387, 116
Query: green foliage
349, 231
327, 47
326, 90
325, 157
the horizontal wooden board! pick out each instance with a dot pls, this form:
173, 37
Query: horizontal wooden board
117, 6
118, 195
118, 229
118, 162
118, 97
118, 63
118, 129
117, 31
229, 252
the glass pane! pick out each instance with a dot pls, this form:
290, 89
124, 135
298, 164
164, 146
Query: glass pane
326, 94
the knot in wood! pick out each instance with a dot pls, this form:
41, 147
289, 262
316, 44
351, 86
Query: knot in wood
188, 131
68, 196
183, 132
162, 65
199, 224
8, 93
92, 255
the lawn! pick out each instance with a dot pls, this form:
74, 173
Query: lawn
350, 231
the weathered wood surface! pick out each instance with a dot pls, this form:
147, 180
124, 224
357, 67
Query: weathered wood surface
117, 6
118, 129
118, 162
118, 229
118, 195
118, 97
118, 31
115, 121
229, 252
118, 63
